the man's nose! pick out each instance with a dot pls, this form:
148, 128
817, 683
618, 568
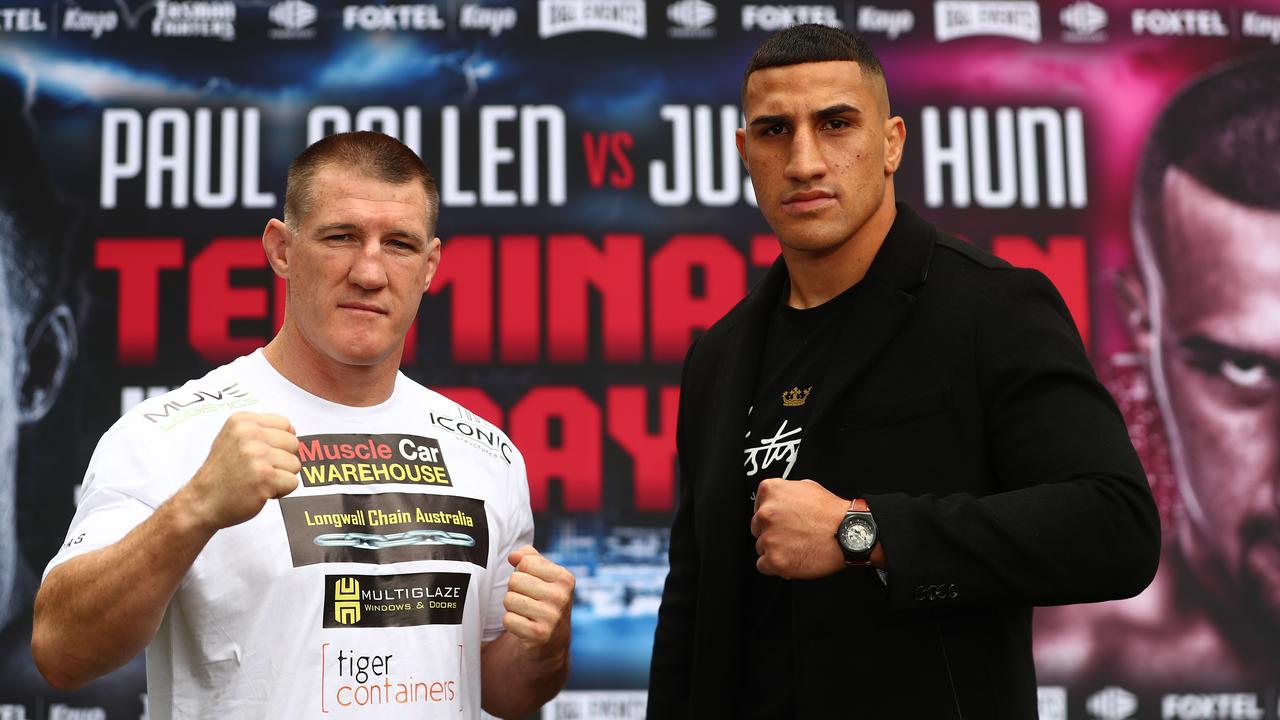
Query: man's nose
805, 161
367, 268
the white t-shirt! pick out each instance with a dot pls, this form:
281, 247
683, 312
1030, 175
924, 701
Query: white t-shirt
365, 593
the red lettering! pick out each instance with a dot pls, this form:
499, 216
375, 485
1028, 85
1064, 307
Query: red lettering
1063, 260
520, 306
676, 311
764, 250
310, 452
138, 262
575, 460
466, 268
616, 271
653, 454
596, 149
214, 302
624, 175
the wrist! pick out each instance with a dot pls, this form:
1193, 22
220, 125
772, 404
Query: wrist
857, 534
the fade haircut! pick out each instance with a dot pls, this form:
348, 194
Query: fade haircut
1223, 130
371, 154
813, 43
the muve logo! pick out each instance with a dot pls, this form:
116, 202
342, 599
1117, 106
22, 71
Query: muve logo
346, 600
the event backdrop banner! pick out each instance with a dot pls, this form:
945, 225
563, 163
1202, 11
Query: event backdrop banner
595, 218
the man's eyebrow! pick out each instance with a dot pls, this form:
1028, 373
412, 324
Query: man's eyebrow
823, 114
348, 227
1205, 346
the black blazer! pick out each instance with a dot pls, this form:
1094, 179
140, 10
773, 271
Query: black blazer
998, 469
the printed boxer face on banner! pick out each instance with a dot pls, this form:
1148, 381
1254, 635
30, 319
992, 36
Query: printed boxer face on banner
820, 147
1215, 356
358, 265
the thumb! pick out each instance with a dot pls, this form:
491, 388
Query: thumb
517, 555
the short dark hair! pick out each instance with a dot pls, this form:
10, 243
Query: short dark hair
1222, 129
371, 154
35, 220
812, 43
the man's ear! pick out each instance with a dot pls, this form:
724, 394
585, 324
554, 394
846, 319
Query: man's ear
1136, 307
275, 242
895, 138
433, 263
740, 138
50, 350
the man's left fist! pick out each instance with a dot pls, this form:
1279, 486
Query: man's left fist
538, 601
794, 526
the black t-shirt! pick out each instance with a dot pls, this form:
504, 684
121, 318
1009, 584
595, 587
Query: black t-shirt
795, 357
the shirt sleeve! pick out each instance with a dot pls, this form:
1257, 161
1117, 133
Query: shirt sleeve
517, 531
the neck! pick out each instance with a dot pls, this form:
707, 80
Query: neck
816, 277
354, 385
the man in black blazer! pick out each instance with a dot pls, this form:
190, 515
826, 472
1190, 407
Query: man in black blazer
889, 451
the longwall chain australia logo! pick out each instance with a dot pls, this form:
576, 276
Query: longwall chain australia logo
1112, 703
385, 528
183, 405
360, 601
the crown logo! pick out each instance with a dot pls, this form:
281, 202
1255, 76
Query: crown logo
795, 397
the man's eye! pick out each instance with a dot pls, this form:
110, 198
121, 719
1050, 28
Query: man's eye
1243, 372
838, 124
775, 129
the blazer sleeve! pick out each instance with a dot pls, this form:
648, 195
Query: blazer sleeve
1074, 520
671, 665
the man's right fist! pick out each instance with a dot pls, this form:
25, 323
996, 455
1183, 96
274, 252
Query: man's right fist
253, 459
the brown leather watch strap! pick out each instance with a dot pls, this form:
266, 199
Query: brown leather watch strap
859, 505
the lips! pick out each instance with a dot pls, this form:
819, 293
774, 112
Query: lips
805, 201
363, 307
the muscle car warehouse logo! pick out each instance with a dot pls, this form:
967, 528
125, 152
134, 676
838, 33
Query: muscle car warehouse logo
385, 528
371, 459
394, 600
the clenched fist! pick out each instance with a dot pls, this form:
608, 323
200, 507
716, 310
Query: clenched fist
253, 459
538, 601
794, 526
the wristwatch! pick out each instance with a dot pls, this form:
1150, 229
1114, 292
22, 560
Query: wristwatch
857, 533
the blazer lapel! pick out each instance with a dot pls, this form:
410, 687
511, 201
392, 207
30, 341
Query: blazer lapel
885, 300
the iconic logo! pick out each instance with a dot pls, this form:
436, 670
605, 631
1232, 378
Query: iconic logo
1182, 21
294, 18
1084, 19
622, 17
195, 18
392, 17
695, 19
1112, 703
494, 20
777, 17
1256, 24
437, 598
890, 22
23, 19
96, 23
1017, 19
795, 397
346, 600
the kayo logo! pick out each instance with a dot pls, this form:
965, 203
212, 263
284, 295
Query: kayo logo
890, 22
1255, 24
494, 20
76, 19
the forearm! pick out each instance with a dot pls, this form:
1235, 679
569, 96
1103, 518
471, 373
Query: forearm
97, 611
513, 684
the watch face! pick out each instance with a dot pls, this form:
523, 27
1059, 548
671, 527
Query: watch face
857, 535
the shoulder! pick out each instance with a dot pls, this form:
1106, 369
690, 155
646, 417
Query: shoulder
444, 414
198, 404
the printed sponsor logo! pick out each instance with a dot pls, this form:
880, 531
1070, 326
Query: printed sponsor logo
1084, 22
475, 431
361, 601
777, 17
195, 18
1052, 703
692, 19
293, 19
1112, 703
22, 19
1017, 19
1212, 706
59, 711
371, 460
890, 22
183, 407
96, 23
612, 704
1255, 24
391, 17
385, 528
493, 20
1179, 22
352, 679
9, 711
622, 17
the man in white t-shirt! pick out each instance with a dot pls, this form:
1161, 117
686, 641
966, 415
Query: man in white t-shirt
306, 532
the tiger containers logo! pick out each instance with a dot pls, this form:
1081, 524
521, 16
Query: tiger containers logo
371, 460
